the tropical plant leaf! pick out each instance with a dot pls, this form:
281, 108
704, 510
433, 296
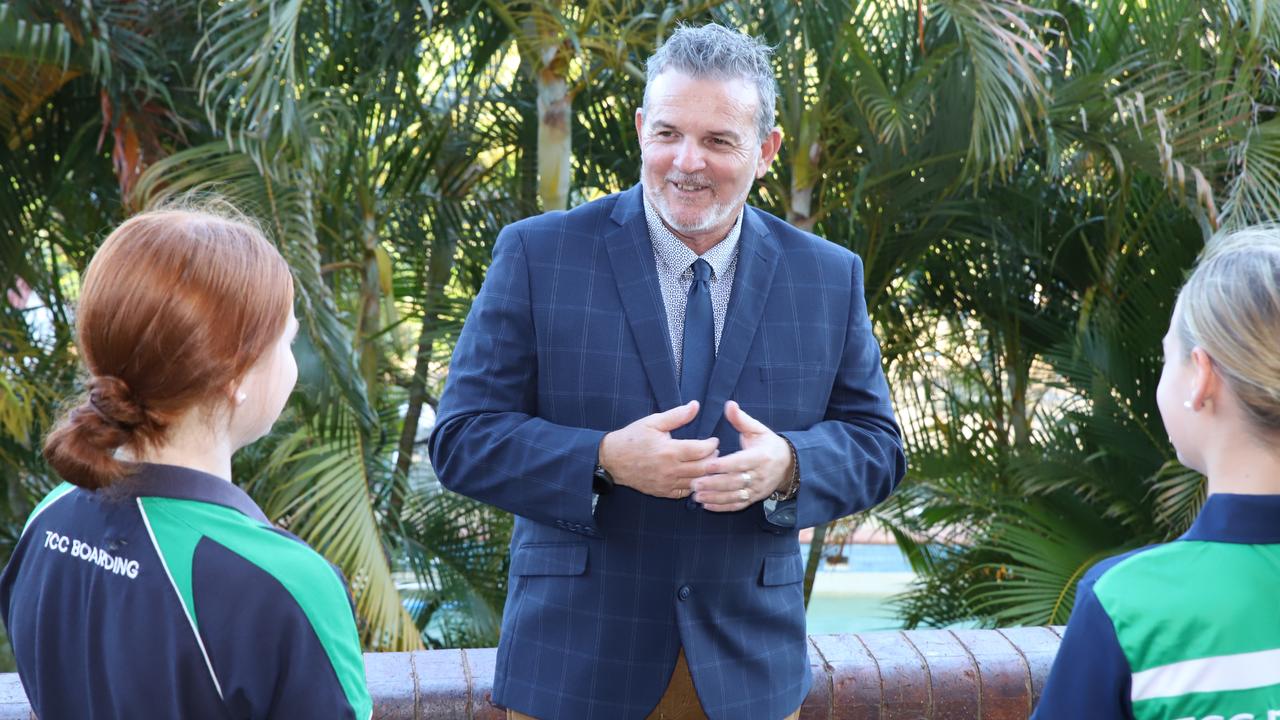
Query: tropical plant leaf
321, 490
1048, 551
1253, 195
1007, 60
284, 211
457, 550
249, 70
24, 42
1178, 493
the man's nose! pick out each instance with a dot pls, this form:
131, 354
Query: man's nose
689, 158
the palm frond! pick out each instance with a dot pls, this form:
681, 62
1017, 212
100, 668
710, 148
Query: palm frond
1007, 61
1178, 493
322, 490
1048, 552
249, 69
456, 548
286, 211
26, 42
35, 62
1253, 195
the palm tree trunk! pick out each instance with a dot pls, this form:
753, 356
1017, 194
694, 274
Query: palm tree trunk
804, 174
801, 212
439, 268
1019, 380
555, 136
1018, 407
815, 557
370, 304
527, 172
546, 47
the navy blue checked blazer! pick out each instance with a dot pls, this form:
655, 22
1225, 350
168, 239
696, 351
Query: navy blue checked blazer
566, 341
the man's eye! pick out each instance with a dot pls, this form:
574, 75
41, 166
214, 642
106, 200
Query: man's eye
720, 141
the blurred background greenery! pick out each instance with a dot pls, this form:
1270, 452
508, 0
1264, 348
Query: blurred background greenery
1028, 183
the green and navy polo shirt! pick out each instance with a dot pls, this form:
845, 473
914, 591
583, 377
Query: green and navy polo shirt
170, 595
1188, 630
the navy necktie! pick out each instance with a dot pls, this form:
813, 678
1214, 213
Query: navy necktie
699, 351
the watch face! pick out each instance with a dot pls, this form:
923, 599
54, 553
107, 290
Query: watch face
785, 516
601, 481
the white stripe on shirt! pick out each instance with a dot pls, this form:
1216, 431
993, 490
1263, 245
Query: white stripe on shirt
1222, 673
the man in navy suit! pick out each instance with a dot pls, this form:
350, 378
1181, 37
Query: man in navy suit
664, 385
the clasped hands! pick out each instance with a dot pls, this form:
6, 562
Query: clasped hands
644, 457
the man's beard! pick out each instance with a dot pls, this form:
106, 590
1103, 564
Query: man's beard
707, 219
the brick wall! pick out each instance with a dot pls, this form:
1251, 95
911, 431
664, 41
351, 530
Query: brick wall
911, 675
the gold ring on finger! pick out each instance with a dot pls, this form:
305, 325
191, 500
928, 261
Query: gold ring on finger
746, 479
745, 494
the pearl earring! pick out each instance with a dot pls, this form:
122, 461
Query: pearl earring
1186, 404
241, 397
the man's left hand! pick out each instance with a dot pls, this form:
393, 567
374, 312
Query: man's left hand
737, 481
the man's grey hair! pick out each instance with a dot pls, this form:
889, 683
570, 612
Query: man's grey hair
715, 51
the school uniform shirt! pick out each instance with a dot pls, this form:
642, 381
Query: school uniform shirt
170, 595
1188, 630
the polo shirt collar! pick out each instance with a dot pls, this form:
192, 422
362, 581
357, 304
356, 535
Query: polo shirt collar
180, 483
1232, 518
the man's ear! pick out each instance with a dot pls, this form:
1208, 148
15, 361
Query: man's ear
640, 123
1206, 382
768, 151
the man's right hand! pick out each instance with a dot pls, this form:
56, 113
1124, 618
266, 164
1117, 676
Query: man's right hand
644, 457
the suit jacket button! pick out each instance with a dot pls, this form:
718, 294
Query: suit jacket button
684, 592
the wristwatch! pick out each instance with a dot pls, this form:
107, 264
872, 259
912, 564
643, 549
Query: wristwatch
601, 481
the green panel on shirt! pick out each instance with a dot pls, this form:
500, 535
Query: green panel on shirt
303, 573
53, 496
176, 542
1168, 604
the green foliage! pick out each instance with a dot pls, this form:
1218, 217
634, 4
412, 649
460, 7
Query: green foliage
1074, 359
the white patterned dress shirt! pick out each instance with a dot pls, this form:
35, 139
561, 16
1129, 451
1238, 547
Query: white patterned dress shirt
675, 275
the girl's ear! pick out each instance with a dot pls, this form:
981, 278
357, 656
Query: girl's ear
235, 395
1206, 382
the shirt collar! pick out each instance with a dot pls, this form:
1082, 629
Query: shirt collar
172, 481
1245, 519
677, 256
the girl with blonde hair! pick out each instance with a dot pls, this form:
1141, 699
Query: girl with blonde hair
1191, 629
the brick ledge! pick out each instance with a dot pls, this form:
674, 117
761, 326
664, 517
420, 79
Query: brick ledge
927, 674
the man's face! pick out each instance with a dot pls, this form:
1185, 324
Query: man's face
700, 152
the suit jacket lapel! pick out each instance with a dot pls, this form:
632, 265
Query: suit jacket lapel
757, 259
634, 269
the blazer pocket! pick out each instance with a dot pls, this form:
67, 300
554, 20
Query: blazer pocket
782, 569
789, 371
550, 559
